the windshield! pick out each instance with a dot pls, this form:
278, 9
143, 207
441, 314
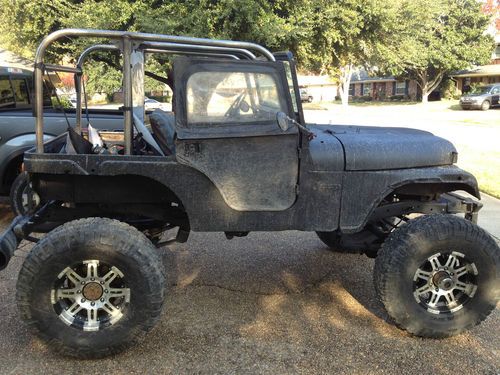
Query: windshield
481, 90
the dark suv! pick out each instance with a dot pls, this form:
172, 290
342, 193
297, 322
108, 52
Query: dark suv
482, 97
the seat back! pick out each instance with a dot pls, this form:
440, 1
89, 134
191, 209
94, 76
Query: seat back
163, 126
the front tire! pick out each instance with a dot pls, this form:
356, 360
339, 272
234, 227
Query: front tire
91, 288
485, 105
437, 276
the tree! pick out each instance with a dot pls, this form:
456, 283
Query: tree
434, 38
335, 37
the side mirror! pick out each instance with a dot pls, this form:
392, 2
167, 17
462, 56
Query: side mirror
283, 121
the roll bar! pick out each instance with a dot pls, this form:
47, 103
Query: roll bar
129, 41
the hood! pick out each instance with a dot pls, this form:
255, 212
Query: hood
474, 95
379, 148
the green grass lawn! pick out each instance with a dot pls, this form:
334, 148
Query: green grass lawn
485, 166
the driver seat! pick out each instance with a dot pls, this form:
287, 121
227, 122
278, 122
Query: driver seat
163, 126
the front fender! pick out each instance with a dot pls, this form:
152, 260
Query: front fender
363, 191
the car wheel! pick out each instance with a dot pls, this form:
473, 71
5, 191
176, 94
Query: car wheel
20, 192
485, 105
91, 288
438, 275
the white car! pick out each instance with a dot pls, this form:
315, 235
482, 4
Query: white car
151, 104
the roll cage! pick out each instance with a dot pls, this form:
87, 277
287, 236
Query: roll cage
133, 46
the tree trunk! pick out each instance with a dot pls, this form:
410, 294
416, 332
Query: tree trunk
428, 85
345, 81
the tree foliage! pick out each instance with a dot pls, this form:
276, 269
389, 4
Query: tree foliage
434, 38
421, 39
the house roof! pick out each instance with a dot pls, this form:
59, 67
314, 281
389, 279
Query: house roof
362, 76
480, 71
11, 60
304, 80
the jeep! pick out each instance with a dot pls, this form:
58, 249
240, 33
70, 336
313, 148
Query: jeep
235, 155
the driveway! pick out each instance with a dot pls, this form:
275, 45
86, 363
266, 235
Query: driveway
273, 303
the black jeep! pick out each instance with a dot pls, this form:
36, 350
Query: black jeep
235, 156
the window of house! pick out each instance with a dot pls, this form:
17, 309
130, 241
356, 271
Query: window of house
351, 89
233, 97
400, 88
367, 89
496, 54
6, 95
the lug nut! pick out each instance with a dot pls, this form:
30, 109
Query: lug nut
78, 291
105, 291
83, 300
92, 303
102, 299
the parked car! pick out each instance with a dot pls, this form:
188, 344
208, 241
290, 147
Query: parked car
237, 156
305, 97
152, 104
482, 97
17, 125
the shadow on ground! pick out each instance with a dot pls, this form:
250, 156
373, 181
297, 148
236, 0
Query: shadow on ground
268, 303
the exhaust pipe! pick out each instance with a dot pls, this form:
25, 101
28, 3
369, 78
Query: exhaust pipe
8, 244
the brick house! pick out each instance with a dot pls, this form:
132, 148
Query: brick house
482, 74
382, 88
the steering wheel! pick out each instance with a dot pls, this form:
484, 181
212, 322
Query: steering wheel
235, 105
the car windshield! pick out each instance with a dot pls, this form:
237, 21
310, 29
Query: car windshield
481, 90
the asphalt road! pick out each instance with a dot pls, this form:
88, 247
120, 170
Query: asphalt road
274, 303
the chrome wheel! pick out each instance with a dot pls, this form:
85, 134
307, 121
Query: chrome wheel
90, 296
444, 283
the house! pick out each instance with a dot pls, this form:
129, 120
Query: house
365, 86
321, 88
481, 74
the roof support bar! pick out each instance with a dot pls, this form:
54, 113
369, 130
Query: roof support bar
204, 45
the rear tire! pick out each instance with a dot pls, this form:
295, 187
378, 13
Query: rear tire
437, 276
19, 191
91, 288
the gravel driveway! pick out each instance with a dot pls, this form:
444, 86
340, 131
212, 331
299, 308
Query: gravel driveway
269, 303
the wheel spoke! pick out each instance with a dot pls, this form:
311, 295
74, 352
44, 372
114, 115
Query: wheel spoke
424, 289
434, 300
120, 292
72, 276
452, 261
111, 309
92, 317
66, 293
450, 298
92, 269
435, 263
421, 274
74, 308
111, 275
461, 271
468, 289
